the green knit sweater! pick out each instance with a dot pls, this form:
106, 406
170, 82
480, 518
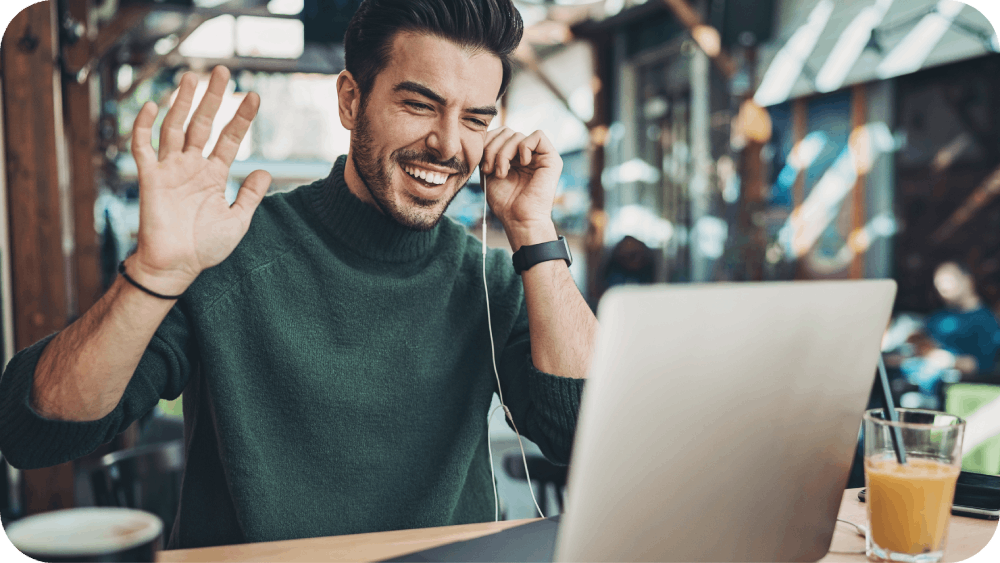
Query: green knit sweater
336, 376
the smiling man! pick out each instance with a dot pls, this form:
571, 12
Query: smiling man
332, 343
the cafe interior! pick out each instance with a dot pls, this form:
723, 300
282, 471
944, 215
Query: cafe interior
705, 143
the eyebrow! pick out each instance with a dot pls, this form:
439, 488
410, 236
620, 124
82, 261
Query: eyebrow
416, 88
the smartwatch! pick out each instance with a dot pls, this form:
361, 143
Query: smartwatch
531, 254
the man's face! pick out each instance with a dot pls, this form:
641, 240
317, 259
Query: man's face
952, 283
421, 129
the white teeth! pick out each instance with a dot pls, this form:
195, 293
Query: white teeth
426, 175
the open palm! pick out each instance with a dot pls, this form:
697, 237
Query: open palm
185, 223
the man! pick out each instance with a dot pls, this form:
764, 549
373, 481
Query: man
331, 344
966, 331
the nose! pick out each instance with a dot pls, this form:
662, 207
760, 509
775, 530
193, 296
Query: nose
444, 141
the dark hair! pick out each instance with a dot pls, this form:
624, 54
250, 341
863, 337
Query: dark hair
959, 263
494, 26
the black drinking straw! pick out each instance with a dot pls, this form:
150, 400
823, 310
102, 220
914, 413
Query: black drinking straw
889, 411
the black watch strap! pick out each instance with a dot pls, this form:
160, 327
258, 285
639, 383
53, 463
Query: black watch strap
531, 254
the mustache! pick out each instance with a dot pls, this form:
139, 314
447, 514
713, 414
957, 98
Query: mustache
419, 157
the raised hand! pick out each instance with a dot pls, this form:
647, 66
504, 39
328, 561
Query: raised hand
185, 223
522, 176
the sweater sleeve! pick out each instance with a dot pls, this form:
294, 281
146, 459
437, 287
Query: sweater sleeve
544, 406
28, 440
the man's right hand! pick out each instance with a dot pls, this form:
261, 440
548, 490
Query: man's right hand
185, 226
185, 223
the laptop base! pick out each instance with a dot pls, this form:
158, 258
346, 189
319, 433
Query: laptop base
535, 541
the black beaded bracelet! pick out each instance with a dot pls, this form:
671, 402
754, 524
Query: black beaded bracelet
128, 278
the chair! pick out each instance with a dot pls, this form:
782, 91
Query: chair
159, 426
543, 473
146, 477
963, 399
10, 504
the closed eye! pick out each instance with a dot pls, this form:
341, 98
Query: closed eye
477, 122
418, 105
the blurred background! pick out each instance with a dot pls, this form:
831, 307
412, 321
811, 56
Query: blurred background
703, 141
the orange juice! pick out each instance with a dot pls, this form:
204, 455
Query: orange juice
909, 505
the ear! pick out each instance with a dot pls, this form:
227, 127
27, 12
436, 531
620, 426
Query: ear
348, 99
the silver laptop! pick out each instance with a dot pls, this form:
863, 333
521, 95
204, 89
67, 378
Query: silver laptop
719, 423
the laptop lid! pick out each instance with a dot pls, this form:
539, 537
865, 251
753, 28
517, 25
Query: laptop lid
720, 421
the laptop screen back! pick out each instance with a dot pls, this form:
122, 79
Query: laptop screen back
720, 421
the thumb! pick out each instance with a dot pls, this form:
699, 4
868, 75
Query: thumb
250, 194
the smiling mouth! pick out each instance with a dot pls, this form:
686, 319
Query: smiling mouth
426, 177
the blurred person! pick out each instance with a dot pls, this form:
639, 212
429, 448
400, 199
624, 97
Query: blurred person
331, 342
958, 342
965, 330
630, 262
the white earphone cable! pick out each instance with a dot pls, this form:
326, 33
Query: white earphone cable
493, 357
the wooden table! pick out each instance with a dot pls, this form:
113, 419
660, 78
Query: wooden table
966, 537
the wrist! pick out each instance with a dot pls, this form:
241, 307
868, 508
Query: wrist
521, 234
165, 282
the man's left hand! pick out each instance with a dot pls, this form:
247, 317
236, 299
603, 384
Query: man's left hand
522, 176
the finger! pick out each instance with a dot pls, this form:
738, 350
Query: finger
542, 145
524, 151
142, 135
492, 133
232, 135
492, 148
172, 130
507, 152
200, 127
541, 151
251, 192
494, 140
531, 146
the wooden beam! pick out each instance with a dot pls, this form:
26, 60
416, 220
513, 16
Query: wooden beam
231, 8
693, 22
598, 128
155, 64
200, 16
36, 175
752, 198
81, 131
261, 64
859, 116
126, 18
984, 194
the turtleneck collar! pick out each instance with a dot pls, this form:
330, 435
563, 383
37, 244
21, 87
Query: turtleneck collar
361, 226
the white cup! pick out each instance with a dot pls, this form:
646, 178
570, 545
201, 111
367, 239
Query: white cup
89, 534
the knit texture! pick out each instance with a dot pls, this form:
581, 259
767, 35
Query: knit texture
336, 376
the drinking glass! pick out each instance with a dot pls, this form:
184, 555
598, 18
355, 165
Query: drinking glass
909, 504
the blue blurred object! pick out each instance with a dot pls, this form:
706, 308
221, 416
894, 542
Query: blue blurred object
923, 374
926, 376
929, 379
968, 333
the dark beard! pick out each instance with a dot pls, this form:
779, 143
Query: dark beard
376, 175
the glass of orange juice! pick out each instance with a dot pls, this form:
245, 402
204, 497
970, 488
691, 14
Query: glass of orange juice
909, 504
